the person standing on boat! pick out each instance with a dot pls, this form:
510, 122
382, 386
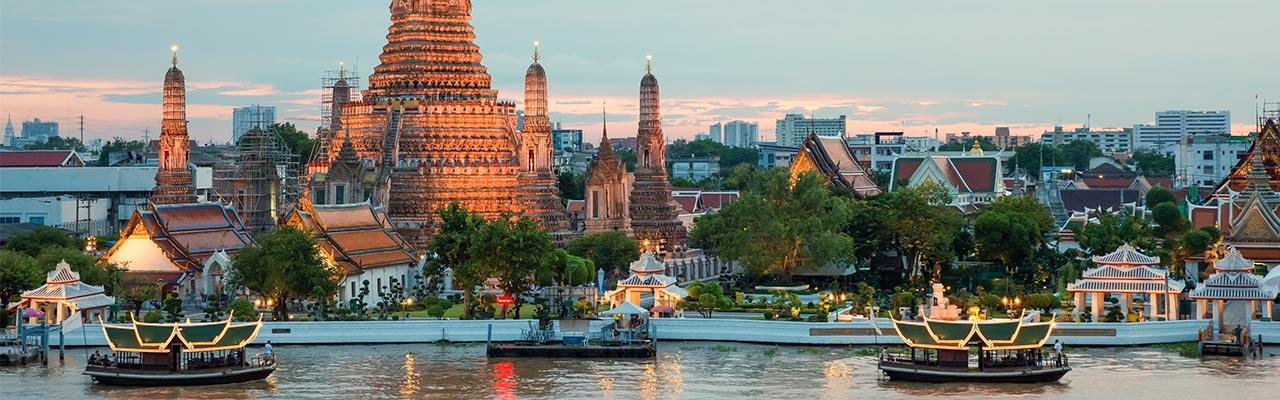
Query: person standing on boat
268, 354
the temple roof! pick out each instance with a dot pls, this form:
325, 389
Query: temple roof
1233, 280
63, 284
959, 335
964, 174
1126, 254
1233, 261
1266, 145
358, 236
40, 158
195, 337
648, 263
830, 157
187, 233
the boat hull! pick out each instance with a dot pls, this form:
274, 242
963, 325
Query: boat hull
913, 374
118, 377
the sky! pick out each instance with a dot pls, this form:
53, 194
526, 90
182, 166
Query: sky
915, 66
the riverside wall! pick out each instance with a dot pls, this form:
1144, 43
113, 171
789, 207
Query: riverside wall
687, 329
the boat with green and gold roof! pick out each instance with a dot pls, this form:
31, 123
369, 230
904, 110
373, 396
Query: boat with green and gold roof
1008, 351
180, 354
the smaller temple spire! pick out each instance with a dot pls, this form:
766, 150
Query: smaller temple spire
606, 149
174, 49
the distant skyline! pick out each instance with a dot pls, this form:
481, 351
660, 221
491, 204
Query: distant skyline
889, 66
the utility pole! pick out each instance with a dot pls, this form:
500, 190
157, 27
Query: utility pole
82, 129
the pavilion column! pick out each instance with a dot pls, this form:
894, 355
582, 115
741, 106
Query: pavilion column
1126, 304
1218, 309
1097, 307
1202, 307
1266, 310
1079, 304
1253, 307
1153, 305
58, 306
1171, 306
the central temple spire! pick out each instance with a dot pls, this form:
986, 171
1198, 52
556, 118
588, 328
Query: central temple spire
430, 53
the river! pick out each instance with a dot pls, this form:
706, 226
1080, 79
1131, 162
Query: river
682, 371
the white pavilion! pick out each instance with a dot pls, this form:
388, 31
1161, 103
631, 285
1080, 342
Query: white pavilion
64, 296
1127, 273
647, 287
1236, 292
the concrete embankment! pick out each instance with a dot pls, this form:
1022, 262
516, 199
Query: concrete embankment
690, 329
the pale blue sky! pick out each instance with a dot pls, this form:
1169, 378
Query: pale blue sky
914, 66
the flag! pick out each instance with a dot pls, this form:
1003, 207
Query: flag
72, 323
874, 325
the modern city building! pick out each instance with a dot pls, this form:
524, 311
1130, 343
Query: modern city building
876, 151
1171, 126
740, 133
715, 133
695, 168
1204, 160
566, 139
255, 116
921, 143
38, 130
1004, 140
1110, 141
773, 155
794, 128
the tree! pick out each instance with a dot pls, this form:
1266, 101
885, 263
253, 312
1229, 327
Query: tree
39, 239
1170, 219
572, 186
298, 141
57, 143
137, 292
779, 226
627, 156
1154, 163
118, 146
242, 310
871, 228
18, 273
1111, 231
1079, 152
283, 265
435, 311
983, 141
705, 298
1158, 195
1032, 156
611, 251
453, 247
1010, 229
516, 251
172, 308
924, 227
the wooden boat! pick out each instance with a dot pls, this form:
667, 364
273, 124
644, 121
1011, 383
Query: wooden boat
180, 354
1009, 351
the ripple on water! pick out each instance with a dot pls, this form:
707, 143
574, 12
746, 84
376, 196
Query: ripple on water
681, 370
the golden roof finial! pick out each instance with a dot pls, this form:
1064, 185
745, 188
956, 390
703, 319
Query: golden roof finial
342, 70
536, 55
648, 63
174, 49
977, 147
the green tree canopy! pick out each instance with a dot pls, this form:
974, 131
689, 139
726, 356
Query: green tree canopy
18, 273
1170, 219
516, 251
925, 227
572, 186
57, 143
778, 227
1111, 231
1158, 195
1154, 163
1079, 152
37, 240
118, 146
283, 265
611, 251
1010, 229
453, 246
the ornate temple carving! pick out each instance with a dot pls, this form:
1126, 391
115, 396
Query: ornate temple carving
347, 179
652, 210
431, 122
608, 190
1266, 146
174, 184
830, 157
538, 195
1244, 206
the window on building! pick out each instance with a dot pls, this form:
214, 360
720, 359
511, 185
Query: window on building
10, 220
1208, 155
379, 286
595, 204
36, 220
340, 194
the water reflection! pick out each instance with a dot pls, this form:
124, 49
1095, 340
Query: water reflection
681, 370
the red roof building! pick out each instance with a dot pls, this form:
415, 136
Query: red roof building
972, 178
832, 158
359, 240
40, 158
187, 245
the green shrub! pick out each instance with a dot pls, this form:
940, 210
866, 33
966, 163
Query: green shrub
435, 311
152, 317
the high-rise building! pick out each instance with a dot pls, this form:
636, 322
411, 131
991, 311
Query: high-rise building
1206, 159
1110, 141
1171, 126
174, 184
9, 135
35, 131
244, 119
792, 129
716, 133
740, 133
566, 139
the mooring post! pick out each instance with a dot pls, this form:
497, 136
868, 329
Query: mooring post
62, 343
488, 340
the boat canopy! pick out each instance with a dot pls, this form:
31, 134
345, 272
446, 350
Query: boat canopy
991, 335
140, 337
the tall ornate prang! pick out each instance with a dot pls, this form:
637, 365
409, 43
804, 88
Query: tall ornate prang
538, 195
173, 180
653, 211
431, 122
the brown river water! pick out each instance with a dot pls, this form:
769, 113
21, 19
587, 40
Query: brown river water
681, 371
